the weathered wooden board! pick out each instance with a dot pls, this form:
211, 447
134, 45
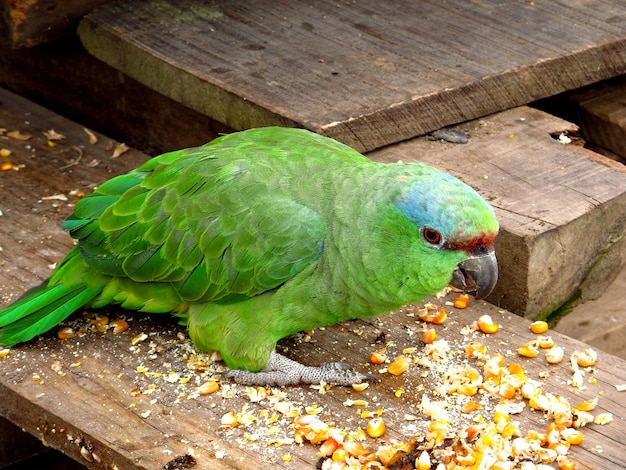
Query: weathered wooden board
561, 207
367, 73
32, 22
111, 404
602, 114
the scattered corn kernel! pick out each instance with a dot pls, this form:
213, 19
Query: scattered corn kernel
566, 464
65, 333
555, 355
487, 325
527, 350
375, 427
399, 365
603, 418
119, 325
423, 461
140, 338
539, 327
230, 419
588, 405
545, 342
209, 387
586, 358
378, 357
6, 166
572, 436
5, 153
4, 352
462, 301
360, 387
429, 336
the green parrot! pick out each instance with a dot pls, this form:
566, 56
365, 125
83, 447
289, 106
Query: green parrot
261, 234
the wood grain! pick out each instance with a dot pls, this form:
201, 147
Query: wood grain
368, 73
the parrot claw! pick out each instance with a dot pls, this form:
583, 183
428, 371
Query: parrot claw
282, 371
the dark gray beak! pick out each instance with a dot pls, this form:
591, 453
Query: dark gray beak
478, 273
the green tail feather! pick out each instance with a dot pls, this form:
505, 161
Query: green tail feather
47, 305
41, 309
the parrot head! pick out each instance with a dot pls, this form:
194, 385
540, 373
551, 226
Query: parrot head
453, 217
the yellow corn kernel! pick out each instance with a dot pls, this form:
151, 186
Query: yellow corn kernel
209, 387
230, 419
487, 325
423, 461
340, 455
588, 405
545, 342
399, 365
539, 327
462, 301
555, 355
566, 464
4, 352
5, 153
65, 333
375, 427
603, 418
572, 436
470, 406
527, 351
6, 166
507, 390
429, 336
329, 446
355, 449
378, 357
586, 358
360, 387
119, 325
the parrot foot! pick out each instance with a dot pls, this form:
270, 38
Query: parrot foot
282, 371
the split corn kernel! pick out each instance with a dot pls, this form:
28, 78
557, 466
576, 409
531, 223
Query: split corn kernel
429, 336
586, 358
65, 333
545, 342
572, 436
399, 365
555, 355
119, 325
487, 325
588, 405
360, 387
209, 387
566, 464
527, 350
603, 418
539, 327
462, 301
423, 461
378, 357
375, 427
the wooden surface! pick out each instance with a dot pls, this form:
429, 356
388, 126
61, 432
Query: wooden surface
32, 22
602, 114
560, 207
367, 73
109, 404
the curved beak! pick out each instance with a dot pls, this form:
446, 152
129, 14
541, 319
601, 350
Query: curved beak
477, 272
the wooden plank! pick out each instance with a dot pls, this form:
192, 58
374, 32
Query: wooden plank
111, 404
366, 73
32, 22
560, 206
66, 79
602, 113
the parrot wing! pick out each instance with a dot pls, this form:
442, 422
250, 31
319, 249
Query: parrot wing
217, 229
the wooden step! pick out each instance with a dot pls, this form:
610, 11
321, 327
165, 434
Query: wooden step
368, 73
601, 109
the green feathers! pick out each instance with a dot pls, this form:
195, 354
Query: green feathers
258, 235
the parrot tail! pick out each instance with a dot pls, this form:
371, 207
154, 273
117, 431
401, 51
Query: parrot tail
47, 305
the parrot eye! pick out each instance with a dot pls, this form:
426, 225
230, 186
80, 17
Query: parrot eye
432, 236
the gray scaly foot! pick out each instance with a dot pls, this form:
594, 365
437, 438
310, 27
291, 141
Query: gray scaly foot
282, 371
